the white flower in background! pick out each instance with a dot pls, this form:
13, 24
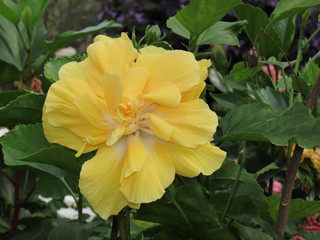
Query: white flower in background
92, 215
3, 131
68, 213
66, 52
44, 199
69, 201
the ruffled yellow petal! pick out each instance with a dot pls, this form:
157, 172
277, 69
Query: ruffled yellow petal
135, 157
164, 93
193, 122
160, 127
73, 70
190, 162
112, 54
61, 111
100, 180
195, 92
157, 174
112, 86
135, 81
178, 67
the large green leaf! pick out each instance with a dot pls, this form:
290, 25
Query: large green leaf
28, 143
286, 30
70, 36
258, 19
24, 109
8, 73
196, 208
248, 233
299, 208
248, 197
201, 14
73, 231
11, 46
218, 33
10, 11
260, 122
10, 95
36, 7
287, 8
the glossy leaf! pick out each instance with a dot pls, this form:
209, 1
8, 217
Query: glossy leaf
286, 30
201, 14
28, 143
73, 231
258, 19
70, 36
24, 109
196, 207
287, 8
260, 122
10, 11
248, 197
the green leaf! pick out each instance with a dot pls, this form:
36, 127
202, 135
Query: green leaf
248, 233
36, 7
239, 72
287, 8
196, 208
307, 77
260, 122
10, 11
6, 190
24, 109
229, 100
201, 14
8, 73
11, 46
4, 225
39, 34
248, 197
52, 67
73, 231
309, 235
8, 96
257, 20
70, 36
26, 17
27, 143
299, 208
286, 30
222, 33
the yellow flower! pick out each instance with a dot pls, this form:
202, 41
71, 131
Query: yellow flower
142, 111
312, 154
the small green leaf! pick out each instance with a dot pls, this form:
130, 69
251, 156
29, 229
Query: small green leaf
222, 33
201, 14
309, 235
36, 7
27, 143
4, 225
239, 72
70, 36
307, 77
287, 8
26, 17
248, 233
10, 11
52, 67
73, 231
260, 122
286, 30
22, 110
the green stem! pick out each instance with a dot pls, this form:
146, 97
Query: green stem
20, 35
235, 184
312, 36
29, 50
69, 189
79, 207
127, 217
25, 183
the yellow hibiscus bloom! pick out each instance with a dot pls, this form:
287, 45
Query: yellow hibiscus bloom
142, 112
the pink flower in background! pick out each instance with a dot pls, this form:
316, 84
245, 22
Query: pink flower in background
273, 74
36, 85
277, 186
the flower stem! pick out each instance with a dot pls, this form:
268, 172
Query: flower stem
121, 225
79, 207
235, 184
114, 229
69, 189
